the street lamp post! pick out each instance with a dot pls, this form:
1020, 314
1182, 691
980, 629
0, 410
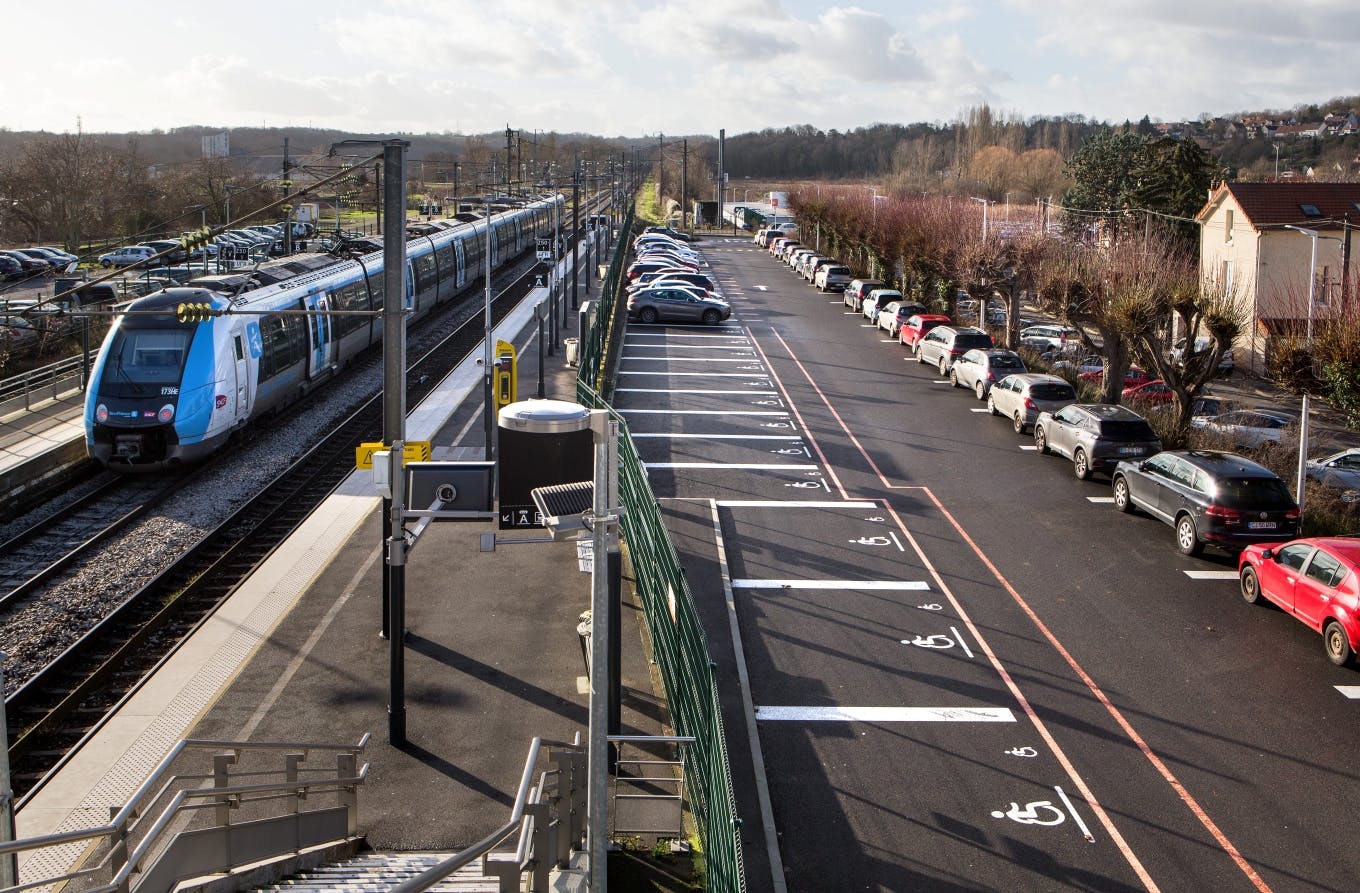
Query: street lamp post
984, 203
1302, 477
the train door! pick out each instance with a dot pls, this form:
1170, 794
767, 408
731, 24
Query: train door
242, 367
319, 324
410, 287
460, 264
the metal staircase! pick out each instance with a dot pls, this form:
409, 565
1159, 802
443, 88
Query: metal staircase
383, 871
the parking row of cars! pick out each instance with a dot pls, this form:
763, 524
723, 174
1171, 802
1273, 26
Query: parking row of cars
20, 263
665, 282
1208, 497
238, 243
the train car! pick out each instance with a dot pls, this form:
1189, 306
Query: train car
165, 393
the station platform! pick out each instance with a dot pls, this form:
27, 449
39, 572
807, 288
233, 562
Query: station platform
41, 440
492, 653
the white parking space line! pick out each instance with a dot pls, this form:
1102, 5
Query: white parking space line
775, 503
851, 313
1100, 499
636, 359
700, 412
745, 347
745, 466
699, 374
1029, 447
734, 337
867, 326
1211, 575
867, 585
887, 341
724, 436
979, 409
690, 391
784, 713
1350, 691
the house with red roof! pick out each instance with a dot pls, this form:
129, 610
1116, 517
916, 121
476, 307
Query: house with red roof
1246, 245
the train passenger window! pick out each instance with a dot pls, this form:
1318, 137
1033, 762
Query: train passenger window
283, 342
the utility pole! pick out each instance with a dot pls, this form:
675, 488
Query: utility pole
378, 194
575, 230
509, 137
455, 188
684, 182
722, 176
287, 188
660, 169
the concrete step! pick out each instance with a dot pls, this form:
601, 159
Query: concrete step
375, 872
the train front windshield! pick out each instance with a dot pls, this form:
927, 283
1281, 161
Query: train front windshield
142, 361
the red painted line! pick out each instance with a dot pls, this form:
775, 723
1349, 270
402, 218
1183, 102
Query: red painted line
1158, 764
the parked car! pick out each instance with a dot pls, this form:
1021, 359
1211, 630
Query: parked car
832, 277
126, 256
1248, 428
670, 233
1202, 344
31, 265
1340, 470
16, 331
51, 262
177, 253
1050, 337
779, 246
10, 268
1024, 396
63, 256
916, 328
1095, 436
682, 275
1208, 497
1153, 393
858, 288
637, 268
1316, 580
868, 307
943, 345
981, 368
674, 304
816, 265
896, 311
1133, 378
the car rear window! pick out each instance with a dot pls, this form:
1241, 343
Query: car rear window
1006, 362
838, 271
1127, 429
971, 340
1254, 493
1053, 391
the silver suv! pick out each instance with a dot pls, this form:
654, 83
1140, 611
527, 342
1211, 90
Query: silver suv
943, 345
1095, 436
832, 276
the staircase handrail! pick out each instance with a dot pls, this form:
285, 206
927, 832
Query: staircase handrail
443, 869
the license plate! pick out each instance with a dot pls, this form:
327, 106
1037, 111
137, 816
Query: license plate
1260, 525
1130, 451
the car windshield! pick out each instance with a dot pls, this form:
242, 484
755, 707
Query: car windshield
1127, 429
1254, 493
1053, 391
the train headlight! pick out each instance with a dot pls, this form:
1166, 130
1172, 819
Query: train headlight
101, 413
166, 414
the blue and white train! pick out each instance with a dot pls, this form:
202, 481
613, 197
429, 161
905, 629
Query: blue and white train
166, 393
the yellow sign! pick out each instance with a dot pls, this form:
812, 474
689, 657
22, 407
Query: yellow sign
506, 374
413, 451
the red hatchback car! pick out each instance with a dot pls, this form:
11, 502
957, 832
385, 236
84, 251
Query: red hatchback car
916, 327
1313, 579
1154, 393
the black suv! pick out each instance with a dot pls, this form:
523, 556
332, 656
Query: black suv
1209, 497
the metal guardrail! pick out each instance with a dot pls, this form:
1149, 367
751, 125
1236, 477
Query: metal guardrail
678, 638
550, 818
154, 858
22, 392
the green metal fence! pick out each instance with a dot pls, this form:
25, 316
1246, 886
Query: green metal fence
678, 639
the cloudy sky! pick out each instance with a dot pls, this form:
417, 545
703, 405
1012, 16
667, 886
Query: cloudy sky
633, 67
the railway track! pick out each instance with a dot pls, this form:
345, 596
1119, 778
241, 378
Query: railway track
66, 700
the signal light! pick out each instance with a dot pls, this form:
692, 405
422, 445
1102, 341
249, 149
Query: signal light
193, 311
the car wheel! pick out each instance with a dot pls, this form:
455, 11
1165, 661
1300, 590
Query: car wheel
1187, 540
981, 390
711, 317
944, 369
1335, 643
1250, 586
1081, 466
991, 406
916, 352
954, 379
1018, 423
1121, 496
647, 315
1040, 441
